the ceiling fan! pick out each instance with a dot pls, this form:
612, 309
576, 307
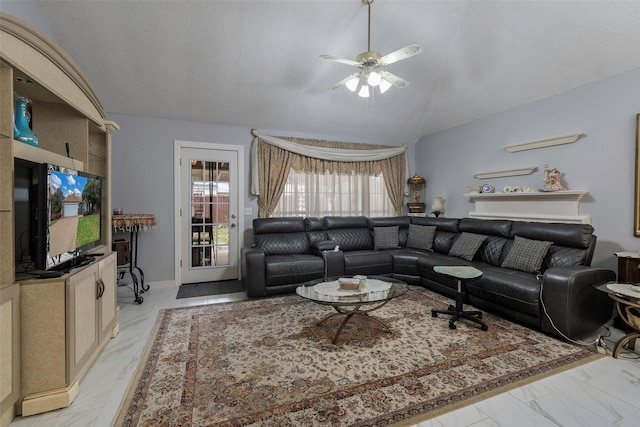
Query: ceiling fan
369, 63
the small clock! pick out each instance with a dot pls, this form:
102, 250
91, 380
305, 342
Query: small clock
488, 188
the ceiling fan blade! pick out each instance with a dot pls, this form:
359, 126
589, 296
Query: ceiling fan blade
345, 80
340, 60
398, 82
406, 52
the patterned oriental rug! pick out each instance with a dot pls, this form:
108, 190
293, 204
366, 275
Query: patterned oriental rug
265, 362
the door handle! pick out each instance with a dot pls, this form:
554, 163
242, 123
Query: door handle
100, 284
233, 224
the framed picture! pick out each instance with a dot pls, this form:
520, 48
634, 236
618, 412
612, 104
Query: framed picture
636, 213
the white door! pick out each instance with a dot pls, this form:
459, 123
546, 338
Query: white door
208, 215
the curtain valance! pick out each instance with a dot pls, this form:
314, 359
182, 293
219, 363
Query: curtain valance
324, 153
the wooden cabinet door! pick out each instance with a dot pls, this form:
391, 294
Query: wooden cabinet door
82, 318
108, 300
628, 270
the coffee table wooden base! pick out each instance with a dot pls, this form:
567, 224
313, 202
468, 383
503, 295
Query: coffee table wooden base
349, 312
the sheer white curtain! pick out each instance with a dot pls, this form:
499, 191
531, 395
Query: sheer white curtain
318, 195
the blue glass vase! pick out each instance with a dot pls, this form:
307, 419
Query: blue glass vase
21, 130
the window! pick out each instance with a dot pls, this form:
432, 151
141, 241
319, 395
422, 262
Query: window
317, 195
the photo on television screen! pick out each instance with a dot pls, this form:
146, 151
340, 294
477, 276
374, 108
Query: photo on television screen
74, 213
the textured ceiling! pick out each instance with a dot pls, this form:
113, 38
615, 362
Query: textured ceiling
256, 63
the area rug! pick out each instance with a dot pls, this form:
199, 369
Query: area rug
192, 290
266, 362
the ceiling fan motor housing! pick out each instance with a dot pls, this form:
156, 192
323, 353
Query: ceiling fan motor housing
369, 59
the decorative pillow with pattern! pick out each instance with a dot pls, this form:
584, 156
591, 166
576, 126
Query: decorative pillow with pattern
466, 245
385, 237
421, 236
526, 255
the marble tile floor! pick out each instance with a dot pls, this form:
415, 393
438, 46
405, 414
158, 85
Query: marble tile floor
605, 392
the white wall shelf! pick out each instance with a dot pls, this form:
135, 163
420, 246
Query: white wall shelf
509, 172
556, 206
567, 139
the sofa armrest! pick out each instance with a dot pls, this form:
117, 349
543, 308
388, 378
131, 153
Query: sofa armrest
572, 306
317, 248
333, 259
253, 272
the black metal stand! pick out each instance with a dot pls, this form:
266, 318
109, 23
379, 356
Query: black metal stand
138, 287
458, 311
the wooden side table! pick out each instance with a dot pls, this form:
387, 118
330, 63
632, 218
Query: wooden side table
628, 267
627, 303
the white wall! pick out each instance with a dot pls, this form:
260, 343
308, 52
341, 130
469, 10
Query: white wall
601, 163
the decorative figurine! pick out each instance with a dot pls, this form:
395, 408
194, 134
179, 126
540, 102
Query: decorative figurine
552, 179
21, 130
417, 185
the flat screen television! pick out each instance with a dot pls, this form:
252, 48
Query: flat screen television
67, 220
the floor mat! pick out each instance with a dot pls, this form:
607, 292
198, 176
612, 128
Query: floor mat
192, 290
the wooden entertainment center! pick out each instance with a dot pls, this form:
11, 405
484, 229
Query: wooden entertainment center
51, 330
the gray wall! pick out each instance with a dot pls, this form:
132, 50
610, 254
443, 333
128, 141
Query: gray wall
601, 163
29, 11
143, 178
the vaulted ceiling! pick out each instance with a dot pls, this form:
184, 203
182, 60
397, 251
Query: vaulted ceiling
256, 63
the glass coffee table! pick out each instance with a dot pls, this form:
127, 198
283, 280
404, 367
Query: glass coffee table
376, 292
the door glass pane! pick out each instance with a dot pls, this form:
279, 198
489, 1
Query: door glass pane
209, 214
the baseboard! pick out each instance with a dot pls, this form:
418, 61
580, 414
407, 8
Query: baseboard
48, 401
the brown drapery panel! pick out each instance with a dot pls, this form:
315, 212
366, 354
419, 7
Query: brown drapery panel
273, 170
274, 164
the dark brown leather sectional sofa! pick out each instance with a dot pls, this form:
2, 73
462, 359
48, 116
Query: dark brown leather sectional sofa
558, 297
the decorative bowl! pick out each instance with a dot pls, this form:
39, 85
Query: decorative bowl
348, 284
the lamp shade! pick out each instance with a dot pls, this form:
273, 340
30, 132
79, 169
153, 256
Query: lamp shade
374, 79
438, 204
352, 84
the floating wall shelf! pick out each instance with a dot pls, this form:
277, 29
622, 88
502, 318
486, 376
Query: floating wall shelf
567, 139
510, 172
556, 206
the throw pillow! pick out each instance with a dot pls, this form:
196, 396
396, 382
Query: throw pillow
385, 237
466, 245
421, 236
526, 255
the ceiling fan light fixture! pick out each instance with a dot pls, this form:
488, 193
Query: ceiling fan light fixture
352, 84
384, 86
374, 79
369, 63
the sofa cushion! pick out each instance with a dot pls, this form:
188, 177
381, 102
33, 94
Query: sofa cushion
442, 241
441, 223
466, 245
282, 243
315, 229
571, 235
421, 236
385, 237
369, 263
491, 252
351, 239
490, 227
526, 255
561, 256
288, 269
517, 290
